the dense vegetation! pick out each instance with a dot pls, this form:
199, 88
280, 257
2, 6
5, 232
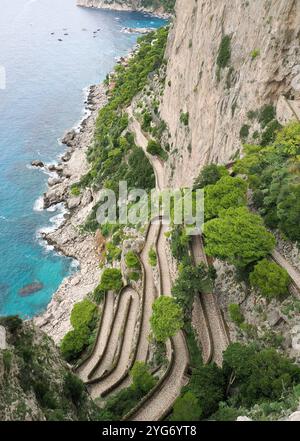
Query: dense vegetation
238, 236
270, 279
166, 319
111, 280
168, 5
83, 320
120, 404
114, 156
35, 383
273, 173
249, 376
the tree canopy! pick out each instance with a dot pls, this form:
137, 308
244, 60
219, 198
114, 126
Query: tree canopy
270, 279
238, 237
259, 375
209, 175
166, 319
226, 193
111, 280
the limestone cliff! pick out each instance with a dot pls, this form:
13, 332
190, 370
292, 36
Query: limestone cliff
209, 93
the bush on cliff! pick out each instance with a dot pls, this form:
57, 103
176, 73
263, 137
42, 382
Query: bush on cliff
166, 319
111, 280
238, 237
270, 279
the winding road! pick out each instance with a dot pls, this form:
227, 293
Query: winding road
211, 331
160, 403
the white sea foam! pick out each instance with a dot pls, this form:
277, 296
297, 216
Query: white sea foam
39, 204
55, 221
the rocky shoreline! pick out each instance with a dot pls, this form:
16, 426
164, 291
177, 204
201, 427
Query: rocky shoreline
67, 238
115, 6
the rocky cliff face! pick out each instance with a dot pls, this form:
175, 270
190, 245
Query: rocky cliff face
206, 100
127, 5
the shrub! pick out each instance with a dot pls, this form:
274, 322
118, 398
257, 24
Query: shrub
238, 237
184, 118
98, 294
288, 139
235, 314
270, 279
73, 388
226, 193
84, 314
75, 190
166, 319
255, 53
244, 132
132, 261
266, 115
111, 280
142, 379
134, 276
186, 408
209, 175
180, 244
156, 150
152, 257
74, 342
224, 53
12, 323
192, 280
259, 375
208, 385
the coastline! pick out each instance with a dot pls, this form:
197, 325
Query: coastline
100, 4
67, 239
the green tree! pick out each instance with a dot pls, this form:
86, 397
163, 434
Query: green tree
192, 280
270, 279
155, 149
288, 139
209, 175
142, 379
186, 408
74, 342
208, 385
288, 211
226, 193
111, 280
73, 387
259, 375
238, 237
132, 261
84, 313
235, 314
166, 319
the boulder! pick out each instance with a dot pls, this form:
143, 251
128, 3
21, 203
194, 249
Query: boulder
66, 156
86, 198
69, 138
37, 163
74, 202
54, 196
54, 181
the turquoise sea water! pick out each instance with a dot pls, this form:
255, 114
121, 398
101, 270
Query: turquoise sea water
44, 95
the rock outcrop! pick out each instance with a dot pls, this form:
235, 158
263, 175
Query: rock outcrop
214, 102
125, 5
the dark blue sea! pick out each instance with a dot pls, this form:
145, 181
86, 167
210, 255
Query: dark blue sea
46, 82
